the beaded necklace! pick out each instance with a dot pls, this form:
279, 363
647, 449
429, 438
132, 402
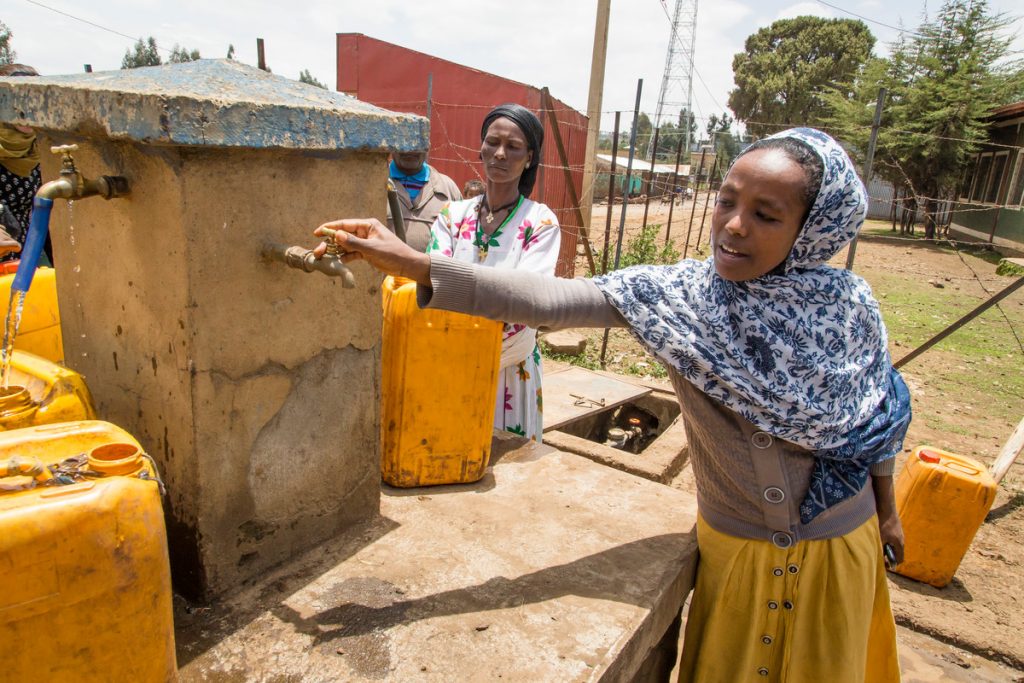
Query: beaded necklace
483, 242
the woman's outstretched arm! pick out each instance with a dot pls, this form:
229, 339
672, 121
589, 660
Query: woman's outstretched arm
513, 296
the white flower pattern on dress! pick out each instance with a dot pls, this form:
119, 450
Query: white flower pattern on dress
802, 354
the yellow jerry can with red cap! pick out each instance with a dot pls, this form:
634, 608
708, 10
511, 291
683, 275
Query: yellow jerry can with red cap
942, 499
438, 378
39, 331
83, 555
41, 392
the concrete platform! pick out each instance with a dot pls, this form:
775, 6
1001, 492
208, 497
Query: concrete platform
552, 568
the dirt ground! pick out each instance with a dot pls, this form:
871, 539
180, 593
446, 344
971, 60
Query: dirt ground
968, 395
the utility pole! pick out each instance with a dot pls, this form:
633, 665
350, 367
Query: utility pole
594, 100
868, 161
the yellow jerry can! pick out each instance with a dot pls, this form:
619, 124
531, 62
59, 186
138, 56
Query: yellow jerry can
83, 555
439, 374
942, 499
41, 392
39, 332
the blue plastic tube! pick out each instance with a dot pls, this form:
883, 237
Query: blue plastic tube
38, 227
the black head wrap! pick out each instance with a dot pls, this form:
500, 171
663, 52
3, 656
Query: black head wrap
532, 130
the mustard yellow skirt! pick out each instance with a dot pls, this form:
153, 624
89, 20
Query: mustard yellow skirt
818, 611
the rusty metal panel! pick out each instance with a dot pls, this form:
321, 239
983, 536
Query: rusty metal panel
396, 78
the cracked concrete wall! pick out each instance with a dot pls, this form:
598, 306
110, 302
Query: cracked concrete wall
255, 386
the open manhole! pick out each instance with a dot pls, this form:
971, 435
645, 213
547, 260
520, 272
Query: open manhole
631, 427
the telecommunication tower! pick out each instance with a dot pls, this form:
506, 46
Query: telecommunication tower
677, 81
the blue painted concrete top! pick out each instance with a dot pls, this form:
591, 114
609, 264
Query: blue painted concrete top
210, 103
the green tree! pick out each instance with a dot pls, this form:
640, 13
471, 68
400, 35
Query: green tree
7, 53
942, 82
144, 54
231, 51
180, 54
306, 77
785, 70
644, 132
719, 130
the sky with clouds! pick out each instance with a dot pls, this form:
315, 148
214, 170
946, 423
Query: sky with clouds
540, 42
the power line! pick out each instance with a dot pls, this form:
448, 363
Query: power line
91, 23
873, 21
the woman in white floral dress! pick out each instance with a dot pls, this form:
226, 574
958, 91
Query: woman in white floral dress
503, 228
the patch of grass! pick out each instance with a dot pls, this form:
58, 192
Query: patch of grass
651, 368
584, 360
1007, 268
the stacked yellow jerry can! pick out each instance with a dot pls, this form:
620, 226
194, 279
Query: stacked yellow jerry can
435, 427
39, 332
83, 552
83, 546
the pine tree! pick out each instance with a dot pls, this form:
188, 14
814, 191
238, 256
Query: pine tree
941, 82
180, 54
144, 54
7, 53
786, 69
306, 77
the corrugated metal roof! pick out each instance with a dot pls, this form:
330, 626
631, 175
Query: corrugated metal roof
641, 165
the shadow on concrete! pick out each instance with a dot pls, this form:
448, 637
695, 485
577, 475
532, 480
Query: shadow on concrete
485, 484
197, 629
955, 591
502, 444
605, 575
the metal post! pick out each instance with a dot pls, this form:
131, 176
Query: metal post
608, 220
707, 200
430, 92
629, 172
672, 203
611, 197
868, 161
594, 99
261, 58
650, 178
693, 206
995, 224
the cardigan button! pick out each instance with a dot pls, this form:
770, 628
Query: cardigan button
777, 571
762, 671
782, 540
767, 640
774, 495
762, 439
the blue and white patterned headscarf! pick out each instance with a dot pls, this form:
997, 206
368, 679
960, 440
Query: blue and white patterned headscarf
801, 352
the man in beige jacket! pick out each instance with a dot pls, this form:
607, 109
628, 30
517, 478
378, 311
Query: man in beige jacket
422, 192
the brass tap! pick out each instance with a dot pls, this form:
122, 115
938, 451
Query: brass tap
304, 259
73, 185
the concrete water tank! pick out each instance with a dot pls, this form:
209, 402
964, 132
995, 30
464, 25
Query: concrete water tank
254, 386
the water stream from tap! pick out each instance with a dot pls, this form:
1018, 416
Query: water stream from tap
77, 268
14, 309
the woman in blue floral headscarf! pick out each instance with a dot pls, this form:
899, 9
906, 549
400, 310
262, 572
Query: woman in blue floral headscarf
790, 402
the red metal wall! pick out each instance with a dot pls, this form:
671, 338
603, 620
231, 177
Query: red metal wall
396, 78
